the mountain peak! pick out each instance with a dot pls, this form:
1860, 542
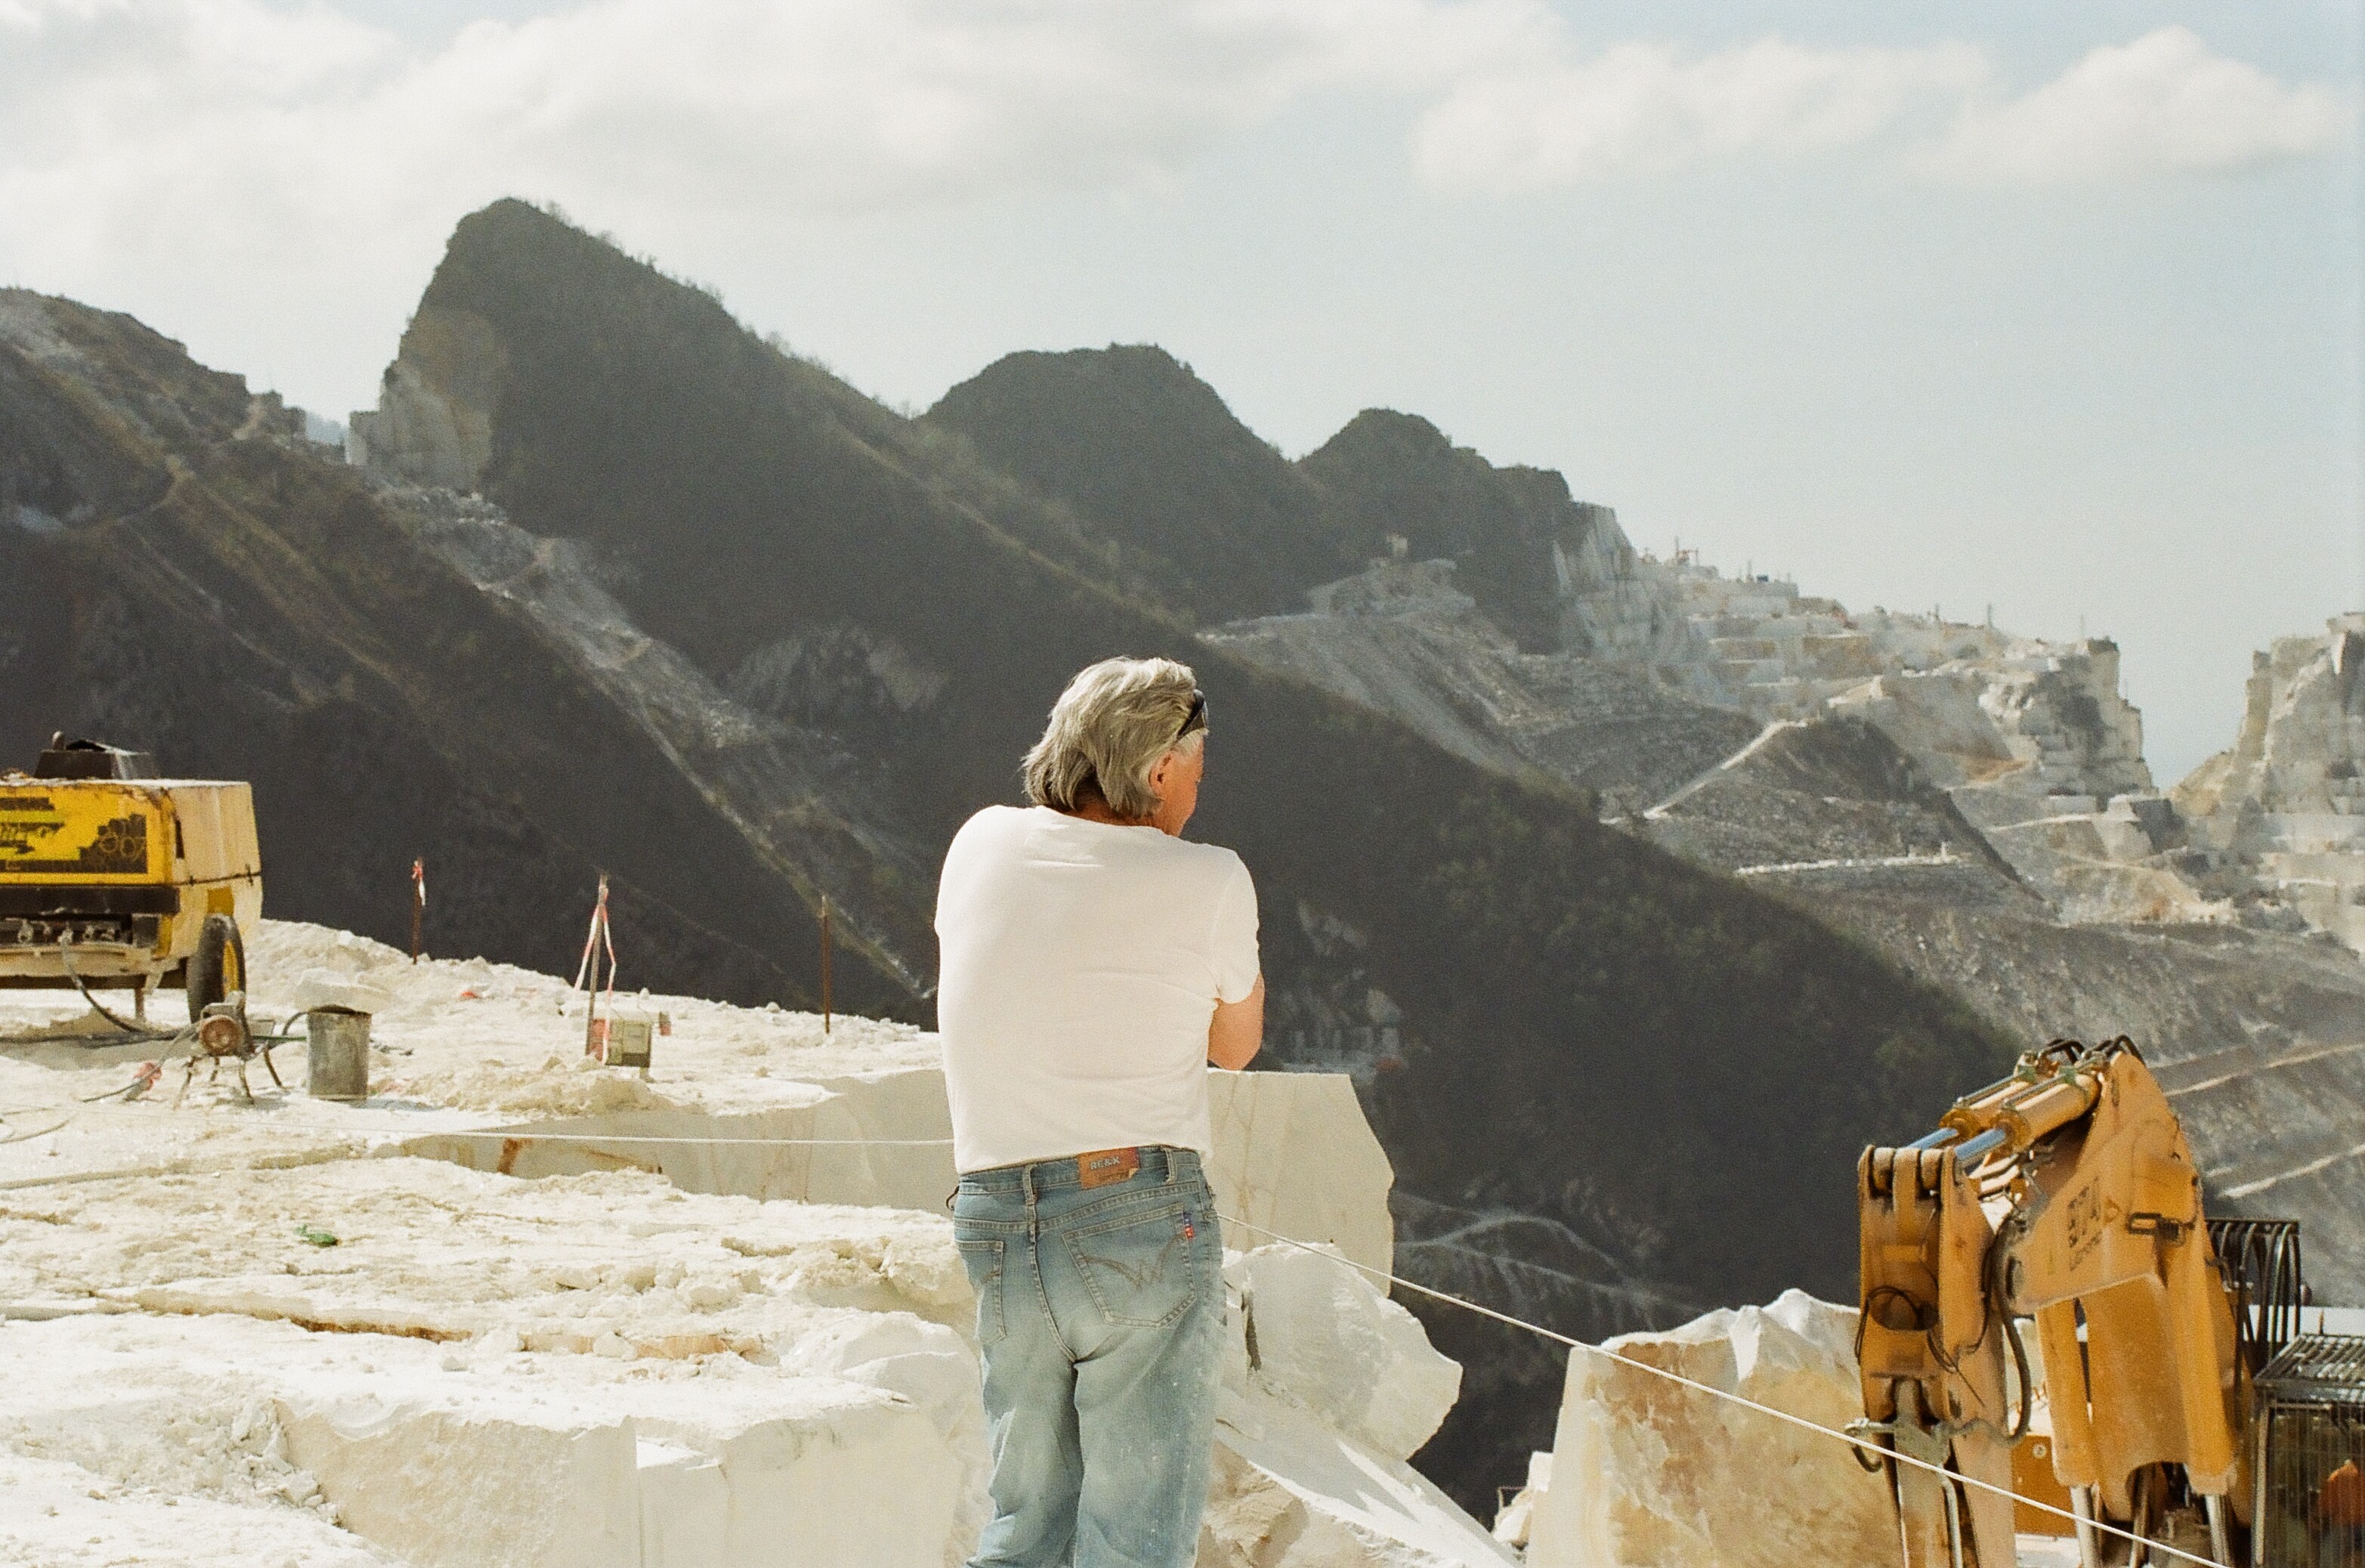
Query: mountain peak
1376, 430
1130, 438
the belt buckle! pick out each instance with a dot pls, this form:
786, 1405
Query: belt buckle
1106, 1167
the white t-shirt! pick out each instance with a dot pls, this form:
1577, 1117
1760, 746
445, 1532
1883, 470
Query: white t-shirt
1082, 965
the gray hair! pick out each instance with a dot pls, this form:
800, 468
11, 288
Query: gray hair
1107, 731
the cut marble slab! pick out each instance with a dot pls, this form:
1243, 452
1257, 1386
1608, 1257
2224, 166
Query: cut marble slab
1294, 1155
493, 1459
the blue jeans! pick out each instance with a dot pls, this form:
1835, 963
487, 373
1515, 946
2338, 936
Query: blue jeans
1100, 1312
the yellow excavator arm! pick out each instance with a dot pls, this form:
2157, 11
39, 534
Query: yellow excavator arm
2065, 1193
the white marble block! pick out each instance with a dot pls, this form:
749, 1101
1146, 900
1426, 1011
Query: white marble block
1646, 1473
1294, 1155
1324, 1340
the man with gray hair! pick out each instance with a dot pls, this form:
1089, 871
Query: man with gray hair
1094, 962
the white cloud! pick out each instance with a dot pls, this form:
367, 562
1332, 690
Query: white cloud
269, 162
1639, 108
831, 104
123, 119
2162, 105
276, 172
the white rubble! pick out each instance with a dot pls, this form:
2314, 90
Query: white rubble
1516, 1520
785, 1343
1646, 1473
486, 1459
325, 988
1329, 1388
1321, 1336
427, 1249
55, 1513
1290, 1492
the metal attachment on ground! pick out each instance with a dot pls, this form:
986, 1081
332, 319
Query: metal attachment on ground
148, 1077
824, 963
599, 943
418, 903
220, 1035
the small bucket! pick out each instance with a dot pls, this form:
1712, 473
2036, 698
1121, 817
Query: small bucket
339, 1053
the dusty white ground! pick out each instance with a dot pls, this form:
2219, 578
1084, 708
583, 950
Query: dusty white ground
275, 1332
483, 1044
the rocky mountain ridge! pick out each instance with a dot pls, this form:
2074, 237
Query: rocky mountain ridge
180, 569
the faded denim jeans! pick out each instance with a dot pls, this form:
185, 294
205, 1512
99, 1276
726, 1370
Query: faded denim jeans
1101, 1314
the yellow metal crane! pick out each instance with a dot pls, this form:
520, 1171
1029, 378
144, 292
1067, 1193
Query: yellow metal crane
2067, 1195
111, 877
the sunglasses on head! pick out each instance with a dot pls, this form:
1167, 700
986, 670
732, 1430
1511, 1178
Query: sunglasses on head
1196, 719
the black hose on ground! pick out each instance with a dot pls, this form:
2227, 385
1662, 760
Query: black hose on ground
139, 1033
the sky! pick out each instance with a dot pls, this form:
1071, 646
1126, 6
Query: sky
2049, 308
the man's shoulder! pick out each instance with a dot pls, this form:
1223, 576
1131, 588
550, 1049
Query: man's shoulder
992, 821
1217, 863
986, 839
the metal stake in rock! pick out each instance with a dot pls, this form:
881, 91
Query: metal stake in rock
418, 903
599, 942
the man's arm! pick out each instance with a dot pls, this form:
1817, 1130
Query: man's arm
1237, 1031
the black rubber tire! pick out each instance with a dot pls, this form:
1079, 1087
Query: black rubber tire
219, 965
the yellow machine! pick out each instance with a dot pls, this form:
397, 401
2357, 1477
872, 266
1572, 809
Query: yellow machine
112, 878
2066, 1194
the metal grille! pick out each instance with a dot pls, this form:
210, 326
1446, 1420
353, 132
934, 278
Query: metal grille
2311, 1501
2260, 1257
2320, 1366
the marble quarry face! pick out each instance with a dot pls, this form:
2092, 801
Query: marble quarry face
518, 1309
2278, 820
